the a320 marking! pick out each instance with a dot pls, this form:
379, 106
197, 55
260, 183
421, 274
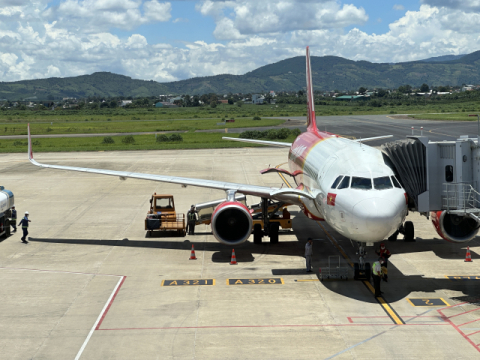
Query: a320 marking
427, 302
266, 281
188, 282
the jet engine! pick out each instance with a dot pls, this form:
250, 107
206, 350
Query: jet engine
454, 228
231, 223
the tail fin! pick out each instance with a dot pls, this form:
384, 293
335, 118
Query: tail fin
311, 120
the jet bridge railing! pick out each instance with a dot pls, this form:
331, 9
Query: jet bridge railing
460, 198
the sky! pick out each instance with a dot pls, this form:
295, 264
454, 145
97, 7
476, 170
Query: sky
176, 40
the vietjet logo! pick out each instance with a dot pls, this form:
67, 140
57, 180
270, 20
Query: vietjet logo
298, 151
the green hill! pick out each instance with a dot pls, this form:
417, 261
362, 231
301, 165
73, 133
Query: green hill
329, 73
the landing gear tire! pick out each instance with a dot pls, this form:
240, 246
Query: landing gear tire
257, 234
393, 237
274, 232
409, 231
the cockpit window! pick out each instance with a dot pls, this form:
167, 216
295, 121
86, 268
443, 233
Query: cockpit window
361, 183
337, 181
345, 182
395, 182
382, 183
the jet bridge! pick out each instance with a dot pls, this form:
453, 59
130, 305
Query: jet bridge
442, 181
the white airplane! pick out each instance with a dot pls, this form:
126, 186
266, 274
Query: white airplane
342, 181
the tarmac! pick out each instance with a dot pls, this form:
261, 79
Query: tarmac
92, 285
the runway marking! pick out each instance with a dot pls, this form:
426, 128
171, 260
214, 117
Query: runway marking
427, 302
386, 307
306, 280
266, 281
196, 282
450, 277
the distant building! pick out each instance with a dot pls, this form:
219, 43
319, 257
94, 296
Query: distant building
125, 102
352, 98
165, 104
223, 101
172, 100
257, 99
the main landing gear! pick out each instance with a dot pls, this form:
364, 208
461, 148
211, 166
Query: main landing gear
408, 231
269, 228
362, 270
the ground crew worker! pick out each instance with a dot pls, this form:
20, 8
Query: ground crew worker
285, 213
192, 216
385, 254
377, 275
308, 254
24, 222
14, 219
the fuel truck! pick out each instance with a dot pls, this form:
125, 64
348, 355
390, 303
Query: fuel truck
6, 203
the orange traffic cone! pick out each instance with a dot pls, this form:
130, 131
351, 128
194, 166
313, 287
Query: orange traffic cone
192, 254
234, 259
468, 257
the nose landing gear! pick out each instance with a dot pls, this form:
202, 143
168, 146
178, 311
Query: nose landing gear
362, 270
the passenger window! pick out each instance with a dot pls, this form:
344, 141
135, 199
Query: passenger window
361, 183
382, 183
449, 173
345, 182
396, 183
337, 181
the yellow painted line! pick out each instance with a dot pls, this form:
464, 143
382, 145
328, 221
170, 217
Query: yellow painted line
307, 280
396, 319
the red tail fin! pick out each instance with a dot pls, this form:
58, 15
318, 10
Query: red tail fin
311, 120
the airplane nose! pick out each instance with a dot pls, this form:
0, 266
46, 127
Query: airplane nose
376, 218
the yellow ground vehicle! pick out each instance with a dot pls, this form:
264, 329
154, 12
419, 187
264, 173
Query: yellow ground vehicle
162, 216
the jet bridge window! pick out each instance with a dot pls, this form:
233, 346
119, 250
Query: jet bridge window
345, 183
449, 173
337, 181
361, 183
396, 183
382, 183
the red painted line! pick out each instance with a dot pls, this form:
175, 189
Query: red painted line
469, 322
460, 331
350, 320
463, 313
110, 303
263, 326
474, 334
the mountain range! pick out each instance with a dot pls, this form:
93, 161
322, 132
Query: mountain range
329, 73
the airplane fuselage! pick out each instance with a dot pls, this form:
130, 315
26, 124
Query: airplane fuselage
355, 191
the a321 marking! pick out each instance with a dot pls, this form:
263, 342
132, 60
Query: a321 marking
267, 281
197, 282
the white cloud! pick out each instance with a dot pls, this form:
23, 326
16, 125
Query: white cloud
250, 17
180, 20
398, 7
467, 5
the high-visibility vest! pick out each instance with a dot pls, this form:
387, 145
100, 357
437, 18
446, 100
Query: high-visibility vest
25, 223
14, 214
374, 268
191, 215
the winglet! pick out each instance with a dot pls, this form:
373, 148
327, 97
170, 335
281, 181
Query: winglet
311, 120
30, 152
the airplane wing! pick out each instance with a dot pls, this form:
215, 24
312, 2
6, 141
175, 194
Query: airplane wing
373, 138
260, 191
262, 142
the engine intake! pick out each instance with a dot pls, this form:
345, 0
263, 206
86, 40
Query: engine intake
231, 223
454, 228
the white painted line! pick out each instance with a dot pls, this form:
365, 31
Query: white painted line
98, 319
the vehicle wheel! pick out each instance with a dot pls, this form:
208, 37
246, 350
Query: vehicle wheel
409, 231
368, 271
257, 234
393, 237
274, 232
356, 270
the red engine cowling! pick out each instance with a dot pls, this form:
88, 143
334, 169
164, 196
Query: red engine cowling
454, 228
231, 223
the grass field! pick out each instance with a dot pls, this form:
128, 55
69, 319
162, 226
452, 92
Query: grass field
142, 142
448, 117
